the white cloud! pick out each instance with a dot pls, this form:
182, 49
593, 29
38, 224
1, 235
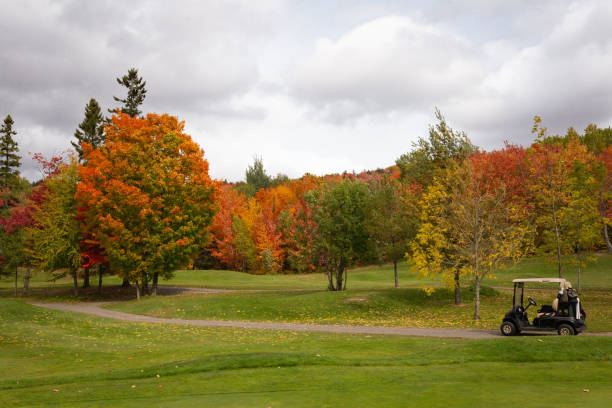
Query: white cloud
564, 78
387, 64
491, 88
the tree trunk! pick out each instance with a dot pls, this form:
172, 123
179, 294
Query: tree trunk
339, 277
86, 278
154, 285
457, 289
395, 272
16, 281
602, 214
477, 299
579, 269
26, 281
557, 235
137, 290
76, 283
607, 237
330, 278
126, 283
100, 273
145, 285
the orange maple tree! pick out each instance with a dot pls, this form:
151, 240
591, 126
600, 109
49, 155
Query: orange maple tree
146, 196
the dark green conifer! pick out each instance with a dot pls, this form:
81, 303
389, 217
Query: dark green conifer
91, 129
9, 157
136, 93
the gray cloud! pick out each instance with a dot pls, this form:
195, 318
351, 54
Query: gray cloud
58, 54
310, 86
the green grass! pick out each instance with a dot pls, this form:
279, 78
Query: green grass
369, 301
382, 307
598, 275
94, 362
368, 277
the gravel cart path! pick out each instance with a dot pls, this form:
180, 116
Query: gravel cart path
96, 309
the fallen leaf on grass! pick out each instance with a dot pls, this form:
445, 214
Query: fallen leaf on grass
133, 386
586, 390
55, 390
541, 341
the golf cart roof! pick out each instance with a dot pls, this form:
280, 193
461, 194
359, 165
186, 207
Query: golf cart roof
546, 280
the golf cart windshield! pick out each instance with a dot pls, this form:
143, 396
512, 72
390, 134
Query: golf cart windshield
519, 287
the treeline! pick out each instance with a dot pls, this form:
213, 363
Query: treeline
134, 199
448, 207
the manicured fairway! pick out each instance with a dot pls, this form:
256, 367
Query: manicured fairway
598, 275
367, 277
382, 307
94, 362
372, 306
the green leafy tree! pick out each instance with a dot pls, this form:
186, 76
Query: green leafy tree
341, 213
579, 220
443, 146
243, 242
279, 179
91, 129
256, 178
9, 158
55, 232
135, 96
392, 222
596, 139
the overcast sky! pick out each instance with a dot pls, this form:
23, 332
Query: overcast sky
310, 86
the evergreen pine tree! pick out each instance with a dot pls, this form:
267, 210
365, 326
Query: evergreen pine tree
91, 129
9, 159
136, 93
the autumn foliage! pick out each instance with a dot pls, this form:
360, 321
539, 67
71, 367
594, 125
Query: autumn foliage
146, 197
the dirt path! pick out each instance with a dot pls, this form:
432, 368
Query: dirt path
97, 310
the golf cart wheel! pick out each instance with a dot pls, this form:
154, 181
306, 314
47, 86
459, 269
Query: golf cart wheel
508, 329
566, 330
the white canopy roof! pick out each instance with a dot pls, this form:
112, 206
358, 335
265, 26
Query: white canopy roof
546, 280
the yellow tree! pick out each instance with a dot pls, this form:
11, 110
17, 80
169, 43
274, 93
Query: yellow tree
469, 228
431, 252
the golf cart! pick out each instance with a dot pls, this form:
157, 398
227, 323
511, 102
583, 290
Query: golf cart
565, 315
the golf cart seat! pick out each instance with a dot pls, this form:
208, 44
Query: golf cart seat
548, 311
